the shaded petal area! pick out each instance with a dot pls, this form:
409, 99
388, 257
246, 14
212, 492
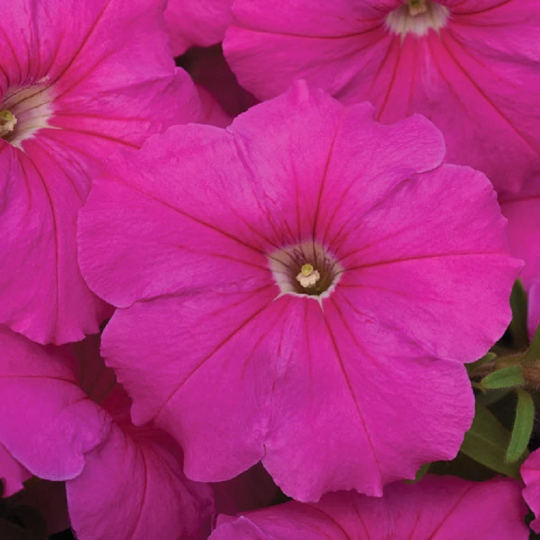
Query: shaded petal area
196, 22
438, 507
157, 501
12, 473
58, 425
530, 472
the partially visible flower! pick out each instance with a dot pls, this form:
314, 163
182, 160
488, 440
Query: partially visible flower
73, 90
470, 66
222, 98
200, 23
530, 472
523, 214
441, 508
299, 289
69, 421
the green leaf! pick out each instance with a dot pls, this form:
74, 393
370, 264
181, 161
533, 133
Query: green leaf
518, 326
419, 474
507, 377
523, 426
493, 396
490, 356
533, 353
486, 442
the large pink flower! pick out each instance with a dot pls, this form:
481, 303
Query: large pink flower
444, 508
523, 213
196, 23
122, 482
470, 66
298, 289
75, 86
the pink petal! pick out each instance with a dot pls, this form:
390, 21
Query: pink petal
530, 472
413, 282
354, 405
445, 508
213, 113
133, 488
49, 499
472, 78
12, 473
251, 490
89, 97
224, 364
196, 22
210, 71
523, 214
57, 425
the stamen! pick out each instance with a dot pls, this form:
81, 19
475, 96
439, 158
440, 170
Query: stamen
308, 276
7, 122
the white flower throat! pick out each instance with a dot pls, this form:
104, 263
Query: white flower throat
417, 17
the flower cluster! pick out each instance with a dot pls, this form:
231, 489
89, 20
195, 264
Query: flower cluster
264, 264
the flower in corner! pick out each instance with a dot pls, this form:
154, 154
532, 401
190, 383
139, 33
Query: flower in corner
470, 66
301, 288
73, 90
66, 419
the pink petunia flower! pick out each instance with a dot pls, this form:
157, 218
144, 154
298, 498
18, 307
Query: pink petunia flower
75, 86
470, 66
523, 214
200, 23
69, 421
444, 508
299, 289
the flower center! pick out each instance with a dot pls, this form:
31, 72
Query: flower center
8, 122
23, 111
417, 17
307, 269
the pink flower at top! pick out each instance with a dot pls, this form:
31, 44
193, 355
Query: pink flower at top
442, 508
68, 421
298, 289
196, 23
75, 86
523, 214
470, 66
